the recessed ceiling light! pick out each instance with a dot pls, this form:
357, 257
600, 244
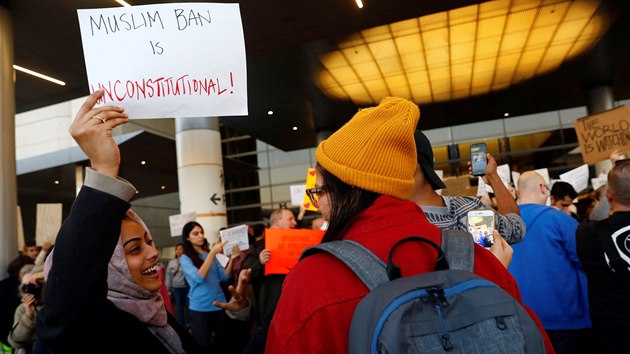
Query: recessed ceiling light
359, 3
123, 3
137, 191
36, 74
269, 113
56, 182
294, 127
506, 114
162, 187
143, 162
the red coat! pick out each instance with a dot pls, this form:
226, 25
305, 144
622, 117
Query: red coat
320, 294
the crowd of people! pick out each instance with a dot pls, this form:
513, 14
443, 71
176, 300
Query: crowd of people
566, 262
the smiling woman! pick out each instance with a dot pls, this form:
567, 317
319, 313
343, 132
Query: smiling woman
104, 267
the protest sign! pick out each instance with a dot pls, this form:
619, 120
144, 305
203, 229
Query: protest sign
456, 186
297, 194
234, 236
577, 177
515, 176
599, 134
48, 222
310, 183
286, 246
544, 172
599, 181
167, 60
177, 222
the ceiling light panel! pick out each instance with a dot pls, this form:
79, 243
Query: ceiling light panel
460, 53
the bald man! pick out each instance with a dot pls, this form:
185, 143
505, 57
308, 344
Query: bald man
546, 266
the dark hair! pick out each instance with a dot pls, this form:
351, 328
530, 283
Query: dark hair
346, 202
189, 249
14, 267
561, 189
258, 229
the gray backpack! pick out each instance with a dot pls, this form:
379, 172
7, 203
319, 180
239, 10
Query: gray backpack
447, 310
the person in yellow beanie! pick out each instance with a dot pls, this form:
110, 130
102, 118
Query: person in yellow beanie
364, 175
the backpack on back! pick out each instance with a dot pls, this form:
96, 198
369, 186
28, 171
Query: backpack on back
447, 310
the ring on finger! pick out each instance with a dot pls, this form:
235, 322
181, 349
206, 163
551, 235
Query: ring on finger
101, 119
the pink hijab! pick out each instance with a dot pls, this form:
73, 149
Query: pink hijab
146, 306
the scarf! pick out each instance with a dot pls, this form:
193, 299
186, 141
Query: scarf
147, 306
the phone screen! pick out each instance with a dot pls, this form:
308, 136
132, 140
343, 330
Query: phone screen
478, 159
481, 226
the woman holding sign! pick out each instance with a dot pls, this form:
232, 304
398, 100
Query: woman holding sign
204, 274
102, 291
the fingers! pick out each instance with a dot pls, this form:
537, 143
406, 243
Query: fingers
243, 279
89, 103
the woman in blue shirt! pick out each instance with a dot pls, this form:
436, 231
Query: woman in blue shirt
204, 274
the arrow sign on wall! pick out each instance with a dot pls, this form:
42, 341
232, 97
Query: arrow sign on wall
214, 199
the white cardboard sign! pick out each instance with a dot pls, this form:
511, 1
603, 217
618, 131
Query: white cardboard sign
177, 222
167, 60
48, 222
577, 177
236, 235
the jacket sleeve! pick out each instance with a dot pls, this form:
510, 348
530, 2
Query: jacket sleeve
23, 329
76, 288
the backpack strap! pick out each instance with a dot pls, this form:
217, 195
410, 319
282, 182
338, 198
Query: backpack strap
365, 264
374, 272
459, 248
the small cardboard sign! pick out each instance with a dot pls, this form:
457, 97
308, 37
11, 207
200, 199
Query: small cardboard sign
599, 134
286, 246
456, 186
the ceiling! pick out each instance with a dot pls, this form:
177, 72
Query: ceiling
281, 37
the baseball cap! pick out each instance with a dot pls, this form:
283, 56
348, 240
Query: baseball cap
425, 160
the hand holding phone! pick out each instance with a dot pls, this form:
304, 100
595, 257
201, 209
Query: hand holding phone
481, 225
479, 159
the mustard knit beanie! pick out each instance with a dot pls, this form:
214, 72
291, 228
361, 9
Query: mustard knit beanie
375, 150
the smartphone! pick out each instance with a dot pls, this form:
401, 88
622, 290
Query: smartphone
481, 225
478, 159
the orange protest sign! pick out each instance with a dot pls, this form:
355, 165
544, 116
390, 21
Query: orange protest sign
286, 246
310, 183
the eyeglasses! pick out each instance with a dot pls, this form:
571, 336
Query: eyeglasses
313, 194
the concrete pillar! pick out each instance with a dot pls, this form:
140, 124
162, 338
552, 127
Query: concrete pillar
200, 172
600, 99
8, 177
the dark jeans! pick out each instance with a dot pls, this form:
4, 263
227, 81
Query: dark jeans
207, 329
181, 305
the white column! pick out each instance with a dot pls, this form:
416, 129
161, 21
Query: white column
200, 172
8, 174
